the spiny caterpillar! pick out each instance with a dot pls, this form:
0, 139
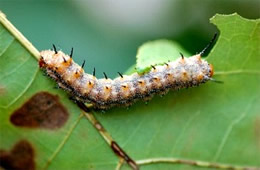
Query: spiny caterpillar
125, 89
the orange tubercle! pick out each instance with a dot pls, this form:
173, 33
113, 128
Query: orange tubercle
200, 77
67, 63
78, 73
198, 56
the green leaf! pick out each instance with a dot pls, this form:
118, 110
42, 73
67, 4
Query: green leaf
157, 52
213, 123
74, 144
216, 123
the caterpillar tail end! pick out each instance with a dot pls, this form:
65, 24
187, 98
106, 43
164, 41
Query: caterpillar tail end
211, 70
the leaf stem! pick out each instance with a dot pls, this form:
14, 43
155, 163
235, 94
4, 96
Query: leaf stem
107, 137
193, 163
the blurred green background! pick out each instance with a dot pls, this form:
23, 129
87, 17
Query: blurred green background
107, 33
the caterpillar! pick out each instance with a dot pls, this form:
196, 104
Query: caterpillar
126, 89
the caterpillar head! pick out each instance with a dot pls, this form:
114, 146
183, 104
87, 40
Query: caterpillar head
51, 58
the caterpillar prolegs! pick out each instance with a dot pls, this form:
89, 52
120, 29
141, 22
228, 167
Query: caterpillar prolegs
126, 89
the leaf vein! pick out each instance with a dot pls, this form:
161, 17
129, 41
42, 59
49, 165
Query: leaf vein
229, 130
63, 142
23, 91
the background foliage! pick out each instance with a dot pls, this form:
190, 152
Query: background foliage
106, 32
212, 123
